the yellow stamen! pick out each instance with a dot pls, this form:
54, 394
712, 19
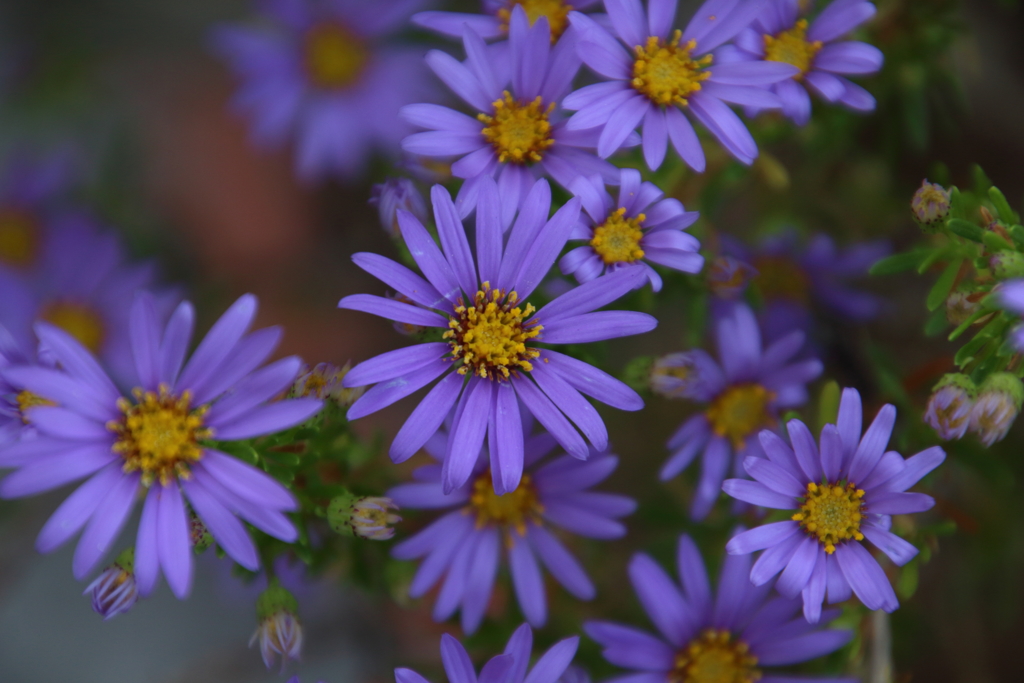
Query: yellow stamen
19, 238
159, 434
519, 132
714, 657
556, 11
334, 57
617, 240
792, 47
512, 510
26, 399
489, 337
78, 320
666, 73
740, 411
833, 513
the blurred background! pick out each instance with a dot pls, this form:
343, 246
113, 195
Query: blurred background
134, 89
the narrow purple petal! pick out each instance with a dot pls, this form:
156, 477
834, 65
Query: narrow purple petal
467, 433
693, 575
401, 279
270, 418
774, 477
593, 382
761, 537
597, 326
575, 407
802, 648
426, 418
147, 560
872, 446
915, 467
144, 333
105, 524
560, 562
507, 428
685, 139
897, 549
714, 464
553, 663
661, 599
246, 481
78, 508
480, 580
527, 581
392, 310
799, 568
57, 470
865, 577
541, 407
453, 239
224, 526
895, 503
175, 341
386, 393
219, 343
774, 559
806, 451
456, 661
173, 545
428, 257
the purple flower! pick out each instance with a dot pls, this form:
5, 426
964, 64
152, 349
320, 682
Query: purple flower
464, 546
744, 394
494, 23
517, 132
704, 637
728, 277
640, 226
394, 194
158, 441
487, 355
510, 667
780, 35
655, 73
843, 493
31, 192
326, 76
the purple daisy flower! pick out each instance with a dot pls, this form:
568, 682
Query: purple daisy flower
325, 75
464, 546
655, 73
843, 493
511, 667
158, 441
640, 226
494, 23
704, 637
487, 356
781, 35
744, 393
518, 132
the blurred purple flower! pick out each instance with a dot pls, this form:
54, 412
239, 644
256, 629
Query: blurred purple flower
780, 35
511, 667
1010, 295
704, 637
744, 394
517, 132
157, 440
494, 22
641, 224
326, 76
465, 544
394, 194
843, 493
655, 73
487, 355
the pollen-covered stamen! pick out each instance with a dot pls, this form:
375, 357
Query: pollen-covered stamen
26, 399
617, 240
77, 319
519, 132
666, 73
556, 12
792, 47
334, 57
832, 513
715, 657
740, 411
781, 278
489, 337
159, 434
19, 237
512, 510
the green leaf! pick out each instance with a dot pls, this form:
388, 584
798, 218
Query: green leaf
944, 285
1017, 233
828, 404
898, 263
977, 315
1006, 214
937, 322
967, 351
965, 229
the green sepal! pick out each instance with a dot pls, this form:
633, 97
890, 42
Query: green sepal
944, 285
964, 229
998, 199
274, 600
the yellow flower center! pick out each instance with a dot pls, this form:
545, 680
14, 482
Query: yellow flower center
489, 337
334, 57
780, 278
714, 657
159, 434
617, 240
739, 411
666, 73
26, 399
792, 47
18, 238
512, 510
518, 132
556, 11
78, 320
832, 512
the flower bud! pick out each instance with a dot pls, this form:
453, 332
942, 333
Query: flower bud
728, 277
394, 194
999, 401
930, 204
962, 304
198, 533
279, 630
949, 407
682, 375
324, 381
364, 516
114, 591
1007, 264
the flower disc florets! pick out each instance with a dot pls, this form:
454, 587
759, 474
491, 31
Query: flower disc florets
617, 240
512, 510
159, 434
555, 11
19, 240
519, 132
489, 337
782, 278
334, 57
78, 320
714, 657
666, 73
833, 513
792, 47
740, 411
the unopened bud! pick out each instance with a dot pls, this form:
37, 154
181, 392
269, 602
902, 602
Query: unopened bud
930, 204
364, 516
394, 194
682, 375
949, 407
728, 277
1007, 264
198, 533
324, 381
279, 630
114, 591
999, 401
962, 304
